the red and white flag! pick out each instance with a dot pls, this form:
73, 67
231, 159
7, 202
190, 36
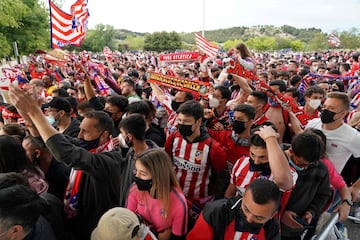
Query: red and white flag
68, 29
205, 46
334, 40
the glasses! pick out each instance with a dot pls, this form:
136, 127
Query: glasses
305, 164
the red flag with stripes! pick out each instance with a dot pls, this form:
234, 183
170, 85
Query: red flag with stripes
334, 40
205, 46
68, 29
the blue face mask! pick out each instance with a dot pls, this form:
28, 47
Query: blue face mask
51, 120
296, 167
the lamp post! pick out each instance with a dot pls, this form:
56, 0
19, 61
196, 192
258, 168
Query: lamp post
203, 28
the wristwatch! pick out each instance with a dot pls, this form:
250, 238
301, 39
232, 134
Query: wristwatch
348, 201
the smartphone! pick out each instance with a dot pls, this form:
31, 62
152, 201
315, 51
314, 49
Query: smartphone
303, 222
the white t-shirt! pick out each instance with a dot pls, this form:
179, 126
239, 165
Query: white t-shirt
341, 143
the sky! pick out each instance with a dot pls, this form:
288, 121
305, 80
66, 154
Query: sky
187, 15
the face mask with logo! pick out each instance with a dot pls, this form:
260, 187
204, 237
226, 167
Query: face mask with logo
143, 185
296, 167
185, 130
327, 116
238, 126
314, 103
175, 105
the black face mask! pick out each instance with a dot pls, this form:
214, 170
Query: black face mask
175, 105
327, 116
143, 185
128, 142
262, 167
185, 130
242, 225
238, 126
88, 145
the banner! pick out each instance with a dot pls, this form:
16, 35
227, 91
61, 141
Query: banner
179, 57
184, 84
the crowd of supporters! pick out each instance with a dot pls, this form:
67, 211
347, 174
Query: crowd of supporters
92, 148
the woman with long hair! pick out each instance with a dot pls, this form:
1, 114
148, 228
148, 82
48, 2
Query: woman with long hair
13, 159
156, 195
244, 56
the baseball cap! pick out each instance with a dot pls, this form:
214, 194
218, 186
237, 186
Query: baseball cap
117, 223
60, 104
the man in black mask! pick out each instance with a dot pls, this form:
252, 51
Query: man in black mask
250, 217
266, 160
96, 170
236, 141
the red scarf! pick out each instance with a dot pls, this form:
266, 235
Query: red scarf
71, 199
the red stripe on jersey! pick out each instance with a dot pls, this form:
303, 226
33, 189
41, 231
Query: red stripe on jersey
192, 165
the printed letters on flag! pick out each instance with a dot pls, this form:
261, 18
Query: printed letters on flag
68, 29
205, 46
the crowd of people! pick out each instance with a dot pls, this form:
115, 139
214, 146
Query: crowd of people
92, 148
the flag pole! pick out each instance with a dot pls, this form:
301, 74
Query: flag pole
203, 28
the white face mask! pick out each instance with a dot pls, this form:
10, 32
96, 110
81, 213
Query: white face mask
315, 69
314, 103
213, 102
122, 141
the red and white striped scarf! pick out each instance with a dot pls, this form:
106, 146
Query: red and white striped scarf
71, 199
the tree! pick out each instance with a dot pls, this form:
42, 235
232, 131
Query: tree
263, 43
231, 43
318, 42
26, 22
350, 39
297, 45
97, 39
162, 41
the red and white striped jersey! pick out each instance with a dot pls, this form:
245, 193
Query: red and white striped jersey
194, 163
242, 176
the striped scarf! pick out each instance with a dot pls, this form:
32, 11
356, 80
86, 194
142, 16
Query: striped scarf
71, 199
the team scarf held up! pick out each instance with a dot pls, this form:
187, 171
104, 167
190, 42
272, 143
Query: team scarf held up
71, 199
234, 67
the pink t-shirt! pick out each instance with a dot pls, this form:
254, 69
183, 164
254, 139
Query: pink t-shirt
336, 180
153, 212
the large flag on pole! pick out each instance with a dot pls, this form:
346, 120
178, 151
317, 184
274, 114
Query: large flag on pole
205, 46
68, 29
334, 40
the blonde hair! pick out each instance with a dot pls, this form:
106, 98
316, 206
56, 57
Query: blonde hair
159, 164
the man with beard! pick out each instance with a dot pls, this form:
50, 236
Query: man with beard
96, 170
250, 217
